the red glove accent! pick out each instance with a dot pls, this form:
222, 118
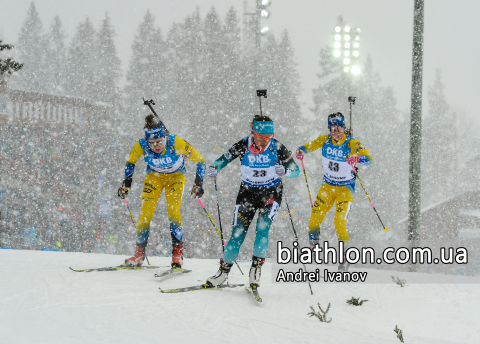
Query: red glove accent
299, 154
353, 159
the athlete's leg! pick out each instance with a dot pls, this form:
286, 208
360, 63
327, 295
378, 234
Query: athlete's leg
271, 200
174, 193
152, 189
321, 207
242, 217
344, 201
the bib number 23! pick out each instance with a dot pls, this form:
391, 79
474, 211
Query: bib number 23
259, 173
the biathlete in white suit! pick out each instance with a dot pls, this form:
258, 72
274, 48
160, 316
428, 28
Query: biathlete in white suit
264, 160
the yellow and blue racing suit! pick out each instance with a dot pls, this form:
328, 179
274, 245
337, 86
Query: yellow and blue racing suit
165, 170
338, 182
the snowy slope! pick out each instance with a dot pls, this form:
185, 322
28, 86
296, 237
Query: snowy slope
42, 301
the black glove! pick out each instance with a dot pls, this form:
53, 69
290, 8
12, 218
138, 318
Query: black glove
197, 191
123, 191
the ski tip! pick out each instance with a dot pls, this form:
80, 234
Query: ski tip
71, 268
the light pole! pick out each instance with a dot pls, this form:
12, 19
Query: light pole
261, 11
416, 123
346, 46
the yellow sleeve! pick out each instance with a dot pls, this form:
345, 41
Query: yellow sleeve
182, 147
356, 148
315, 144
135, 154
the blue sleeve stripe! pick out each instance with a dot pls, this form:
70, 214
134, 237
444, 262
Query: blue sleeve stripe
201, 169
364, 159
129, 170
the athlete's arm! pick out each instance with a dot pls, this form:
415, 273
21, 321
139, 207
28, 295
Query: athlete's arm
230, 155
285, 158
182, 147
135, 154
314, 145
356, 148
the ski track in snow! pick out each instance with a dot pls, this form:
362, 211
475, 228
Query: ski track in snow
42, 301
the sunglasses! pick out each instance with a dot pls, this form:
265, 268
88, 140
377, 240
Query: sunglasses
158, 143
263, 137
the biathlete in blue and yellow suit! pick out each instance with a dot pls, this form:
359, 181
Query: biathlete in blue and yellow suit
339, 153
164, 155
263, 161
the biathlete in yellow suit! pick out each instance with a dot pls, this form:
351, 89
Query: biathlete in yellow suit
164, 155
339, 153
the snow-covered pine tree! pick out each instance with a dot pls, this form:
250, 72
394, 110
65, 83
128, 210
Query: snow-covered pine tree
439, 144
55, 53
233, 95
8, 66
107, 65
31, 53
146, 75
80, 66
187, 103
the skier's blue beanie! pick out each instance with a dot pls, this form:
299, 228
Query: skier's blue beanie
336, 119
155, 133
263, 127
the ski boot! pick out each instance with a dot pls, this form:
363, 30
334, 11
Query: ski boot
256, 272
221, 275
177, 255
138, 257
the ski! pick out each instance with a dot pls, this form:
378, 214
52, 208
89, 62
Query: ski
254, 292
199, 287
116, 268
173, 272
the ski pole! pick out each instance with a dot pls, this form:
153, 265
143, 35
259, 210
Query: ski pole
126, 203
358, 177
219, 218
223, 241
295, 232
306, 181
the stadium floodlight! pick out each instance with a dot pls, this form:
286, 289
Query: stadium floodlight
264, 30
266, 2
356, 70
346, 46
264, 14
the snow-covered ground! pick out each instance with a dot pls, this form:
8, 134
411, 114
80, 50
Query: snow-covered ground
42, 301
